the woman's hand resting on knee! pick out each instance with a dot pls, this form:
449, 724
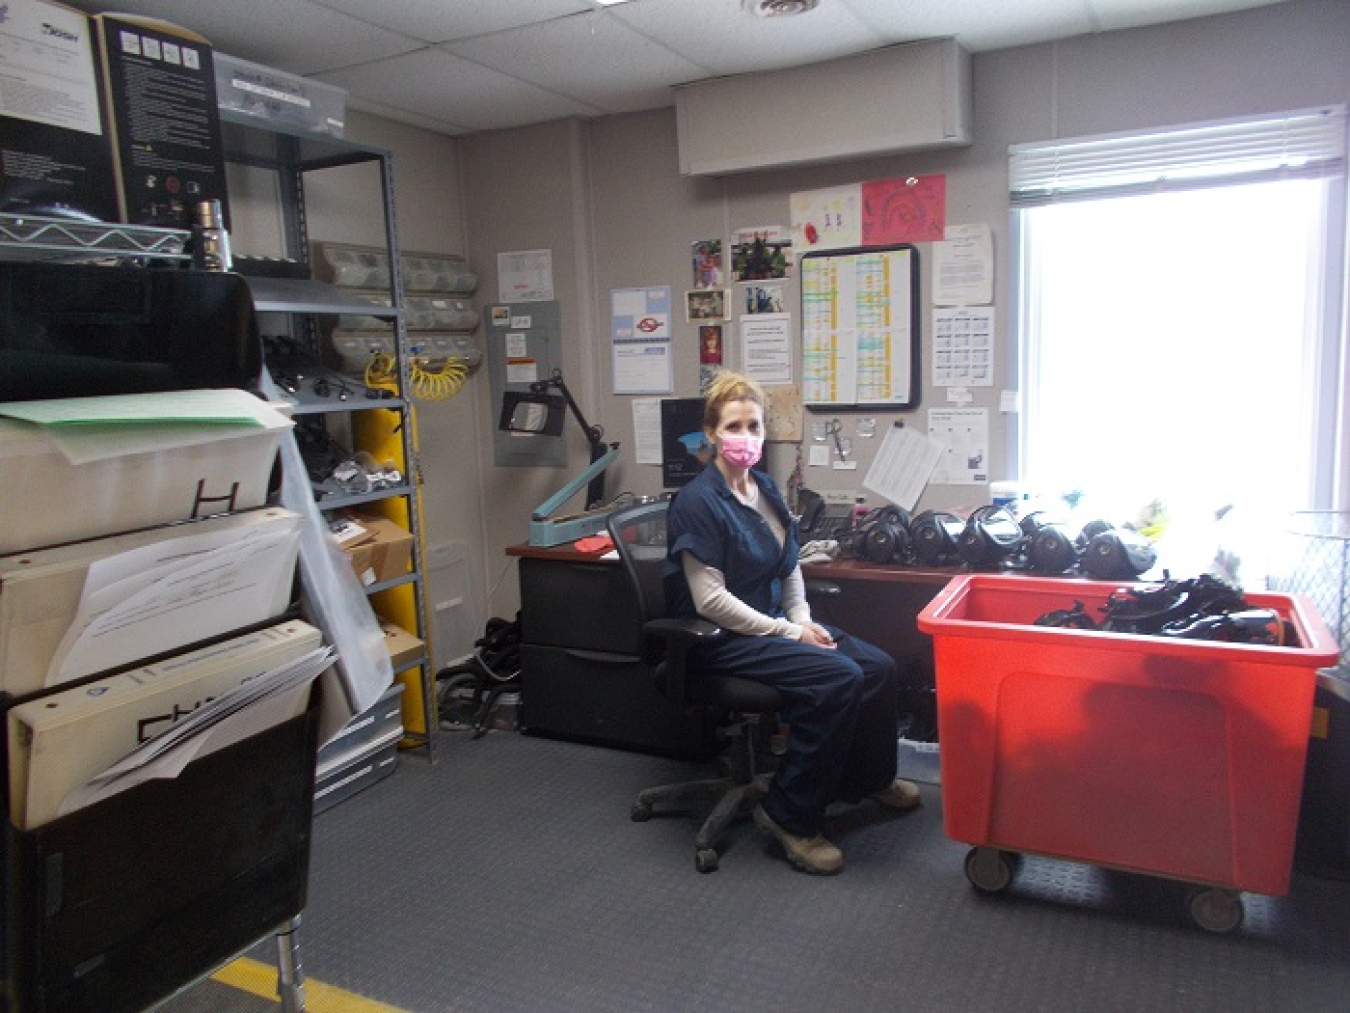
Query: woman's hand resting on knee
814, 633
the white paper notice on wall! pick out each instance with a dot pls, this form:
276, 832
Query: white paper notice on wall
904, 462
963, 435
963, 266
963, 346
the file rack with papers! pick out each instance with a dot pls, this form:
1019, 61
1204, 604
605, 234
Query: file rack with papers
118, 905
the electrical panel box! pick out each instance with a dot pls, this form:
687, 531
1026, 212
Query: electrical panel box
524, 343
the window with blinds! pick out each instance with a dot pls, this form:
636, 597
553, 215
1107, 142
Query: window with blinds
1181, 329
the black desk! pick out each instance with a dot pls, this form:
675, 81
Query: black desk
881, 603
581, 676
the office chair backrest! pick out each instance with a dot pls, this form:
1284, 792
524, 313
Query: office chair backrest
639, 534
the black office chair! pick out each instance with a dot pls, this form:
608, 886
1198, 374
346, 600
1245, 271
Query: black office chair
668, 644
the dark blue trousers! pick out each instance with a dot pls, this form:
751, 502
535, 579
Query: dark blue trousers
841, 705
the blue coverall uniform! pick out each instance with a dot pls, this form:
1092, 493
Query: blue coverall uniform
841, 702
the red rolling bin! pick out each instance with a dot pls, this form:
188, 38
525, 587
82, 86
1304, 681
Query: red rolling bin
1175, 758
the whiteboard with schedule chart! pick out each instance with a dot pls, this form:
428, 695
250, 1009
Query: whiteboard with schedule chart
860, 327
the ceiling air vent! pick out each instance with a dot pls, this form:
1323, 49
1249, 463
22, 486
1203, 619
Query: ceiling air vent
779, 8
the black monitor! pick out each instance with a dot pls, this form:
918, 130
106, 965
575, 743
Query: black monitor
685, 448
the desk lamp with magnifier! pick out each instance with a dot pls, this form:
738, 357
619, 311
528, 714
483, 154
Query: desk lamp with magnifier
540, 412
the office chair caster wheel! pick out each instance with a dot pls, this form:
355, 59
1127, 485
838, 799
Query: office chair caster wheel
640, 813
705, 860
990, 870
1215, 909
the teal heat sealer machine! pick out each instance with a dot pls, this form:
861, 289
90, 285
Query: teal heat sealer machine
540, 412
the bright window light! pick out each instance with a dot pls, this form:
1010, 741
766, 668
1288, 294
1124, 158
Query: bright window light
1182, 348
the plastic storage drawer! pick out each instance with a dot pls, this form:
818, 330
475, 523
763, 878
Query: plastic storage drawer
1178, 758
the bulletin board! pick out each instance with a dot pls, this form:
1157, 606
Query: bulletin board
860, 327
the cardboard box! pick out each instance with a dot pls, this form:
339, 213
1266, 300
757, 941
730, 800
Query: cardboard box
279, 98
159, 95
55, 156
41, 593
380, 551
46, 500
404, 648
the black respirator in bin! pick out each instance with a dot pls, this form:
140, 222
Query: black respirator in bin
883, 536
1116, 553
990, 536
1050, 546
933, 537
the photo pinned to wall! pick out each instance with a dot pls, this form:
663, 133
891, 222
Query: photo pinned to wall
711, 351
764, 299
710, 344
707, 263
761, 253
707, 373
705, 304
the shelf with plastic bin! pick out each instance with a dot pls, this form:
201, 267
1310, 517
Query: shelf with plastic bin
37, 237
319, 391
305, 295
293, 158
278, 145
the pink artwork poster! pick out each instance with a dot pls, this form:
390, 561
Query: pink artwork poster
910, 210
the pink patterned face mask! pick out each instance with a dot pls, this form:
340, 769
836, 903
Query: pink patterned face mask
742, 451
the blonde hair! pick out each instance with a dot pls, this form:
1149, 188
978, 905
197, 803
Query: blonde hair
727, 387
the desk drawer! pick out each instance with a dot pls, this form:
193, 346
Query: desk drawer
607, 699
582, 605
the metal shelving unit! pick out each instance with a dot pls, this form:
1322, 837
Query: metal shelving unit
32, 237
293, 160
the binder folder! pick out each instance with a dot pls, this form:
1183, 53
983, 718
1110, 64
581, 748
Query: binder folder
59, 741
41, 593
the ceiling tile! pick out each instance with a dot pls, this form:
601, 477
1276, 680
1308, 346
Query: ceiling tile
979, 24
722, 37
483, 64
442, 21
436, 126
609, 66
1113, 14
439, 85
299, 36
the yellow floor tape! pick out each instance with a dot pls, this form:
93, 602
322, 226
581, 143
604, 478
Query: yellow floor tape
260, 979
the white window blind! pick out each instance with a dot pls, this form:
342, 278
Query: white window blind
1308, 143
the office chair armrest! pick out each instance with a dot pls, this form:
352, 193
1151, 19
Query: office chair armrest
821, 589
669, 641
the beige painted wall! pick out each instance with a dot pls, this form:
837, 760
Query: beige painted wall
527, 189
607, 199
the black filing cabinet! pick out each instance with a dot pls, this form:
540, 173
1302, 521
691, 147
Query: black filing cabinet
581, 675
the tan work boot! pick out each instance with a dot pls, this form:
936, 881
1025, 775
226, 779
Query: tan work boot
810, 854
900, 797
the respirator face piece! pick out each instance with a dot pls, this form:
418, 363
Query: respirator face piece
1118, 555
989, 536
933, 536
1051, 550
883, 536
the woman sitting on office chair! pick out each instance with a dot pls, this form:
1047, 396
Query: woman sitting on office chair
733, 560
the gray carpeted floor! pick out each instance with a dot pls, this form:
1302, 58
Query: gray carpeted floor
507, 877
